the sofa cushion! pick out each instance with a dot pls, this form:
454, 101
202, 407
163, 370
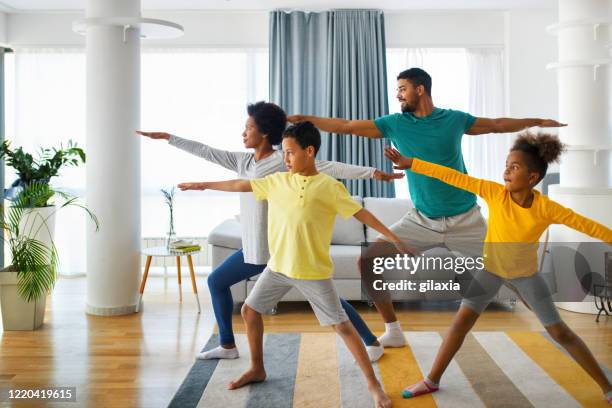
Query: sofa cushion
345, 259
227, 234
349, 231
387, 210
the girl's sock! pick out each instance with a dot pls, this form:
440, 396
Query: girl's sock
425, 386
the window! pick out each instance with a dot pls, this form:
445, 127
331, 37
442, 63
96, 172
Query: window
199, 94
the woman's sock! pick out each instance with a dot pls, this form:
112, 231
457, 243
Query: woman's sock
375, 352
218, 353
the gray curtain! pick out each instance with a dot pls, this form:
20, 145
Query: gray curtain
332, 64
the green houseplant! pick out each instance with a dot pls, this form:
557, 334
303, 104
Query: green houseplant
41, 169
28, 226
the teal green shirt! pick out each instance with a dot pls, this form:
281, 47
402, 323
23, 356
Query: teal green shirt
435, 138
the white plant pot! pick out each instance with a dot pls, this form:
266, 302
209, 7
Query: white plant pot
17, 314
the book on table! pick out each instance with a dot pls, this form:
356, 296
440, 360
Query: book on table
187, 249
184, 246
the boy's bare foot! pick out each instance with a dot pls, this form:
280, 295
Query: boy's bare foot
253, 375
381, 400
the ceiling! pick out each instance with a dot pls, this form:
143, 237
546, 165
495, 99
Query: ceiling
24, 6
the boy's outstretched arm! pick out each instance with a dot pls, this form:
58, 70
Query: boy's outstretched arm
239, 186
367, 218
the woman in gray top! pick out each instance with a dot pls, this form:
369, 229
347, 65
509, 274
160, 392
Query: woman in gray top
263, 130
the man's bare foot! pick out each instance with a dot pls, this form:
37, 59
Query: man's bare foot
381, 400
253, 375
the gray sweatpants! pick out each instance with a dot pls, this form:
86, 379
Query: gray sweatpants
533, 289
463, 233
321, 294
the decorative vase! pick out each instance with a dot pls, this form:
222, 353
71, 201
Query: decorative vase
170, 238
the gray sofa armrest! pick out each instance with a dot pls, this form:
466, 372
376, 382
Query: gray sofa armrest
227, 235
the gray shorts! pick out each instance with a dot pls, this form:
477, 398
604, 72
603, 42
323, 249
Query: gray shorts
533, 290
462, 233
321, 294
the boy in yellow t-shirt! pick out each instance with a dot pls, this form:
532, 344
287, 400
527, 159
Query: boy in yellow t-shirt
302, 207
518, 215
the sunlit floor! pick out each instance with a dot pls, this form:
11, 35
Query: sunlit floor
140, 360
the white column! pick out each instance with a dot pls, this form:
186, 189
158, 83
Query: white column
585, 104
113, 159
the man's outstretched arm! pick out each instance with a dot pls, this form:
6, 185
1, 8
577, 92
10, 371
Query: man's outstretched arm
365, 128
508, 125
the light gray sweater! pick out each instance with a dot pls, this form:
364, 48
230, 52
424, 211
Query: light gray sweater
253, 213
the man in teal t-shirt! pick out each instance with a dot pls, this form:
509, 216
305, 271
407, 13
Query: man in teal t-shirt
437, 139
443, 215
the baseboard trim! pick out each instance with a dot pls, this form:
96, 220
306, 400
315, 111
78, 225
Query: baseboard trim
110, 311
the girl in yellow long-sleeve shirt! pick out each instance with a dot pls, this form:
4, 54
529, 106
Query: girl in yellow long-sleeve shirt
518, 215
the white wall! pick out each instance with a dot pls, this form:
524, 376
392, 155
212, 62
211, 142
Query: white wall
227, 29
3, 29
233, 28
532, 90
43, 29
444, 29
201, 28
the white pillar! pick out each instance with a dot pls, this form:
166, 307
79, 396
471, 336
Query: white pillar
113, 159
585, 104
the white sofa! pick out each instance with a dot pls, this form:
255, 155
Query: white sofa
345, 251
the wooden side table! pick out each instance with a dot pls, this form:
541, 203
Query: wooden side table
165, 252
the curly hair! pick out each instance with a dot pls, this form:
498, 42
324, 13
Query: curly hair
270, 119
540, 149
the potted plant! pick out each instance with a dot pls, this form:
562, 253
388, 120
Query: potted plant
41, 170
28, 227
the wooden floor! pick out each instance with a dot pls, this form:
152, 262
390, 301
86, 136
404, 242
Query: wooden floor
141, 359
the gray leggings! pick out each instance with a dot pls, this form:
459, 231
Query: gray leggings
533, 289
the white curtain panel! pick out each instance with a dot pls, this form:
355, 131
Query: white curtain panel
45, 107
199, 94
485, 155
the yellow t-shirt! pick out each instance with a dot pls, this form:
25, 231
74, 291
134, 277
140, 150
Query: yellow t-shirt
513, 232
301, 215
